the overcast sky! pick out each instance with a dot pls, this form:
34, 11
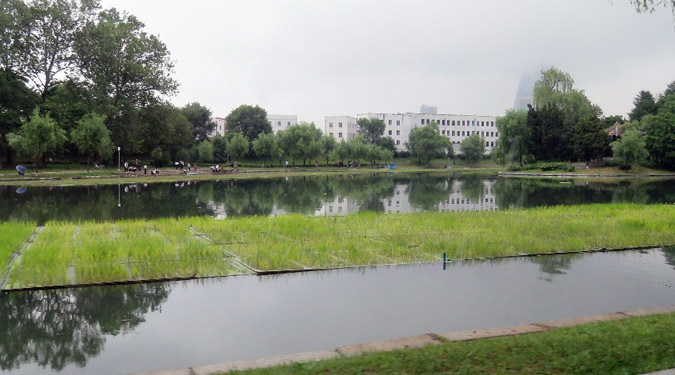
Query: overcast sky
316, 58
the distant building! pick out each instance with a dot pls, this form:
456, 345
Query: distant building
221, 127
282, 122
340, 127
428, 109
525, 92
615, 131
455, 127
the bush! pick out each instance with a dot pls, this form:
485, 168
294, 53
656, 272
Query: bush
556, 166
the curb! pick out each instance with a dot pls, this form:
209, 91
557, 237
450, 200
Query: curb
415, 342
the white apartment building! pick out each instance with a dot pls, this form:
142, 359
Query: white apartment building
221, 126
282, 122
455, 127
340, 127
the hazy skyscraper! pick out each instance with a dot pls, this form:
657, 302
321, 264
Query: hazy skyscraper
429, 109
525, 93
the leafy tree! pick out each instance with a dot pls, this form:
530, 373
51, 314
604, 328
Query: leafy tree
16, 102
265, 146
54, 27
219, 148
608, 121
513, 133
341, 151
473, 148
67, 103
237, 146
375, 153
15, 33
630, 149
644, 104
91, 137
426, 143
302, 141
328, 144
371, 128
205, 151
660, 138
389, 144
358, 148
249, 121
590, 140
166, 127
38, 137
200, 117
651, 5
547, 138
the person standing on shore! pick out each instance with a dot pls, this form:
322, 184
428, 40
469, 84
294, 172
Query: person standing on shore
145, 169
126, 166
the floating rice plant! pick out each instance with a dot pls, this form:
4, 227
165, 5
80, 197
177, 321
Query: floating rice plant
12, 236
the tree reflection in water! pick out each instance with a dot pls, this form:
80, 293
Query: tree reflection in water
553, 265
55, 328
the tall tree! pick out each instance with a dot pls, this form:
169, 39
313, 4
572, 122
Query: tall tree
426, 143
473, 148
15, 20
371, 128
38, 137
547, 138
249, 121
164, 127
328, 144
16, 102
300, 141
219, 148
200, 117
660, 138
513, 133
265, 147
54, 27
205, 151
644, 104
590, 140
91, 137
237, 146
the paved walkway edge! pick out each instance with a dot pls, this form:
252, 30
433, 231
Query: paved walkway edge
414, 342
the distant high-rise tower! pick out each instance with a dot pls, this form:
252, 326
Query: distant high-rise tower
525, 94
429, 109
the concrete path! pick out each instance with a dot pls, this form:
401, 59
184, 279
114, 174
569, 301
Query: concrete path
415, 342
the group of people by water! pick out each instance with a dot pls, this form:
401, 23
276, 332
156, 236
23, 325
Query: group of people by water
136, 167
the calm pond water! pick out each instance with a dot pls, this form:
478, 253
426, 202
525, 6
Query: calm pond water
317, 196
124, 329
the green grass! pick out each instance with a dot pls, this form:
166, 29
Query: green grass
66, 254
628, 346
295, 242
12, 236
71, 253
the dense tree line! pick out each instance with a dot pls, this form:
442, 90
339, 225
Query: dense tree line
563, 125
76, 78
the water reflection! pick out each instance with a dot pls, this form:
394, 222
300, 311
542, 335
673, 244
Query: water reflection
57, 328
313, 195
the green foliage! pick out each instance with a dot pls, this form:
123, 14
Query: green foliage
473, 148
205, 150
37, 138
328, 144
389, 144
219, 148
16, 102
200, 118
630, 149
159, 157
371, 128
513, 133
166, 127
590, 140
301, 142
92, 138
644, 104
249, 121
265, 147
237, 146
660, 138
426, 143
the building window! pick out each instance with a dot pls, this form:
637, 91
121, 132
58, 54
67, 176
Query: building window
493, 123
492, 144
289, 123
339, 125
443, 132
339, 135
398, 122
487, 144
330, 125
278, 123
398, 142
442, 122
497, 134
390, 132
398, 132
463, 123
453, 132
389, 122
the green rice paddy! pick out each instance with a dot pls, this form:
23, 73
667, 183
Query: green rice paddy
135, 250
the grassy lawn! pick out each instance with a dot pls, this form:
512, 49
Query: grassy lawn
72, 253
628, 346
637, 170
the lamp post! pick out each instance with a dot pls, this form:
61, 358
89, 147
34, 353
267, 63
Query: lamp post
119, 158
